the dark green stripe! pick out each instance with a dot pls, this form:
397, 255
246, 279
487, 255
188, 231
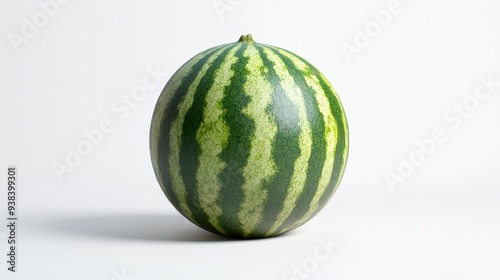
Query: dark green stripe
285, 147
342, 145
318, 152
342, 141
241, 129
166, 123
190, 149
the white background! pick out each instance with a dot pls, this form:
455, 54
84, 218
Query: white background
108, 218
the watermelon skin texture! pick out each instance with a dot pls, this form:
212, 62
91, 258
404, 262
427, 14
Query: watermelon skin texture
248, 140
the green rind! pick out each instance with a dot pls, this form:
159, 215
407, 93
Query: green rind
236, 152
317, 159
285, 150
218, 175
301, 167
341, 149
190, 150
165, 111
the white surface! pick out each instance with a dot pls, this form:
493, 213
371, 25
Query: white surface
109, 216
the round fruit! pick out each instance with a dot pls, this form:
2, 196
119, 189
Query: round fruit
248, 140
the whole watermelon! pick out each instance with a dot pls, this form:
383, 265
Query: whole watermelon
248, 140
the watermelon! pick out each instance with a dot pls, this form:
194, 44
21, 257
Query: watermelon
248, 140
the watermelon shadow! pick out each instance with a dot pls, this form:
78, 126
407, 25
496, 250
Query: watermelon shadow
139, 227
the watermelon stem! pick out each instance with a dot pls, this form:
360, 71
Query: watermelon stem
246, 39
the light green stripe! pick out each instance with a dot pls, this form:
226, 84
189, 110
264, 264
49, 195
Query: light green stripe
164, 100
299, 175
331, 132
260, 165
342, 121
343, 124
213, 136
176, 137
